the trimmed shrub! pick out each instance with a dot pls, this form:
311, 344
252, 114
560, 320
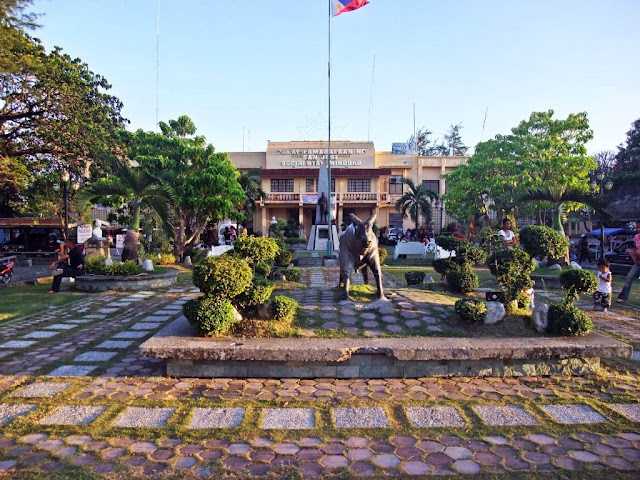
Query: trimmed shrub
283, 308
126, 269
382, 253
256, 249
471, 309
567, 319
414, 278
292, 274
511, 268
444, 266
576, 282
197, 255
294, 241
284, 258
224, 276
263, 269
95, 265
524, 300
258, 293
463, 280
469, 254
539, 241
159, 258
449, 242
212, 316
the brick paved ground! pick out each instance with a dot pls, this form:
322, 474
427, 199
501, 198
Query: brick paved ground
75, 393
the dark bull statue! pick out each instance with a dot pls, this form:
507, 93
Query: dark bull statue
359, 250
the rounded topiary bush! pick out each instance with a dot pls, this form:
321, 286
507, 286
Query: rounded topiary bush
471, 309
540, 241
382, 253
263, 269
450, 243
283, 308
469, 254
292, 274
225, 276
576, 281
414, 277
444, 266
567, 319
284, 258
258, 293
256, 249
463, 280
212, 316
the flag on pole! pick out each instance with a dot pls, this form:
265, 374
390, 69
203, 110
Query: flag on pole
341, 6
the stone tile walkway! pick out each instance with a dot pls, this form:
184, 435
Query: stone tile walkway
84, 398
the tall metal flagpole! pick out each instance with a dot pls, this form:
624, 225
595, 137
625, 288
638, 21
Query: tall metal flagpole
330, 241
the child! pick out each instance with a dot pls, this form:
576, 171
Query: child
602, 296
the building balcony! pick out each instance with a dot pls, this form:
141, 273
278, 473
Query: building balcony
340, 197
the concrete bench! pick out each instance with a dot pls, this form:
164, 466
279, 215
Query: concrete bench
410, 248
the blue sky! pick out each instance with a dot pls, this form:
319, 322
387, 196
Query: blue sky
262, 65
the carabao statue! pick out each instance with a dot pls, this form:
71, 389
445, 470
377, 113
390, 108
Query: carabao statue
359, 250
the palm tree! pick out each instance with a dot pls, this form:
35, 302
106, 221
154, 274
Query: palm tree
252, 186
136, 187
416, 201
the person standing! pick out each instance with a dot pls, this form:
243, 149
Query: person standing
602, 296
72, 265
507, 235
635, 270
585, 253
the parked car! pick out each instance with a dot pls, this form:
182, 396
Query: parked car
621, 262
392, 236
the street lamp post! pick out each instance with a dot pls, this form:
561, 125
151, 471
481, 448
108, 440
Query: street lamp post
601, 182
440, 208
65, 177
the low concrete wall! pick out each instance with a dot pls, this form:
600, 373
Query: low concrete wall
546, 281
191, 355
102, 283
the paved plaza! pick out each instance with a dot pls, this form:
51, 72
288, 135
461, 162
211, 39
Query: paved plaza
76, 395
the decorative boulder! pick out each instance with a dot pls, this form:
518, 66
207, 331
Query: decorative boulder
147, 266
108, 261
575, 265
237, 317
495, 312
263, 311
555, 266
540, 317
187, 260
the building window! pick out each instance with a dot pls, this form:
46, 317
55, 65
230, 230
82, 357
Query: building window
311, 185
396, 185
358, 185
282, 184
433, 185
395, 220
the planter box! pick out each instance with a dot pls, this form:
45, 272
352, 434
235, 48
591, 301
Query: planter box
102, 283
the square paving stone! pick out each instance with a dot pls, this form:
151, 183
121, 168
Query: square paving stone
95, 356
115, 344
433, 417
216, 418
360, 417
108, 310
131, 334
40, 334
72, 371
17, 344
156, 318
144, 326
9, 413
629, 410
501, 416
575, 413
288, 418
80, 320
41, 389
144, 417
73, 415
60, 326
4, 353
95, 316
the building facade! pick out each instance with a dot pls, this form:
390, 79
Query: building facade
363, 181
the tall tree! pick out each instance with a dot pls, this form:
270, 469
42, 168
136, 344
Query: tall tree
453, 141
628, 157
606, 161
415, 202
423, 142
251, 183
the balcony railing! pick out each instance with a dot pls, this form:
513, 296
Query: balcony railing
343, 197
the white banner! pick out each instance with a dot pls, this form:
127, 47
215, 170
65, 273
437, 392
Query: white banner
119, 241
84, 233
407, 148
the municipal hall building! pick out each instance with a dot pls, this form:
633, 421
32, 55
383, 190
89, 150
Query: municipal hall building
363, 181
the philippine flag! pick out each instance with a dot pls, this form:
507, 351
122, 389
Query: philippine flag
341, 6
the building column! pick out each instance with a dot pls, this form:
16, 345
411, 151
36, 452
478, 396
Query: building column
264, 221
301, 217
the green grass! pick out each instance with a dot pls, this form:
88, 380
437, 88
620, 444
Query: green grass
23, 300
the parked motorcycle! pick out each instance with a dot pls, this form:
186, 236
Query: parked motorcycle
6, 271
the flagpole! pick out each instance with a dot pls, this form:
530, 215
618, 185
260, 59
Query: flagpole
330, 241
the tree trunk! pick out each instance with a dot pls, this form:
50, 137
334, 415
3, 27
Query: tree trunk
130, 249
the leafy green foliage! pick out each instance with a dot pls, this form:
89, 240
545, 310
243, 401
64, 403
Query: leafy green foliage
450, 243
160, 258
463, 280
382, 253
414, 277
212, 316
284, 258
511, 269
225, 276
294, 240
292, 274
263, 269
524, 300
197, 255
468, 254
539, 242
471, 309
567, 319
576, 281
258, 293
416, 202
444, 266
628, 157
95, 265
283, 308
256, 249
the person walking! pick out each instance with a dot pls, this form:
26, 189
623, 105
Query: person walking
635, 270
72, 265
585, 253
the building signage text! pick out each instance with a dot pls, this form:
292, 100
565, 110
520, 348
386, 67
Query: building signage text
317, 157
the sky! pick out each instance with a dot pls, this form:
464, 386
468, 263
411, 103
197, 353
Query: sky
252, 71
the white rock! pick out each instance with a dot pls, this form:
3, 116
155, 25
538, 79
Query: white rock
236, 315
540, 317
147, 265
495, 312
187, 260
108, 261
576, 265
555, 266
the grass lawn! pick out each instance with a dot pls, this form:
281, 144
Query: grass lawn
24, 300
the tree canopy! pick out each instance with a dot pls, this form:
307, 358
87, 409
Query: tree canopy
452, 144
628, 157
